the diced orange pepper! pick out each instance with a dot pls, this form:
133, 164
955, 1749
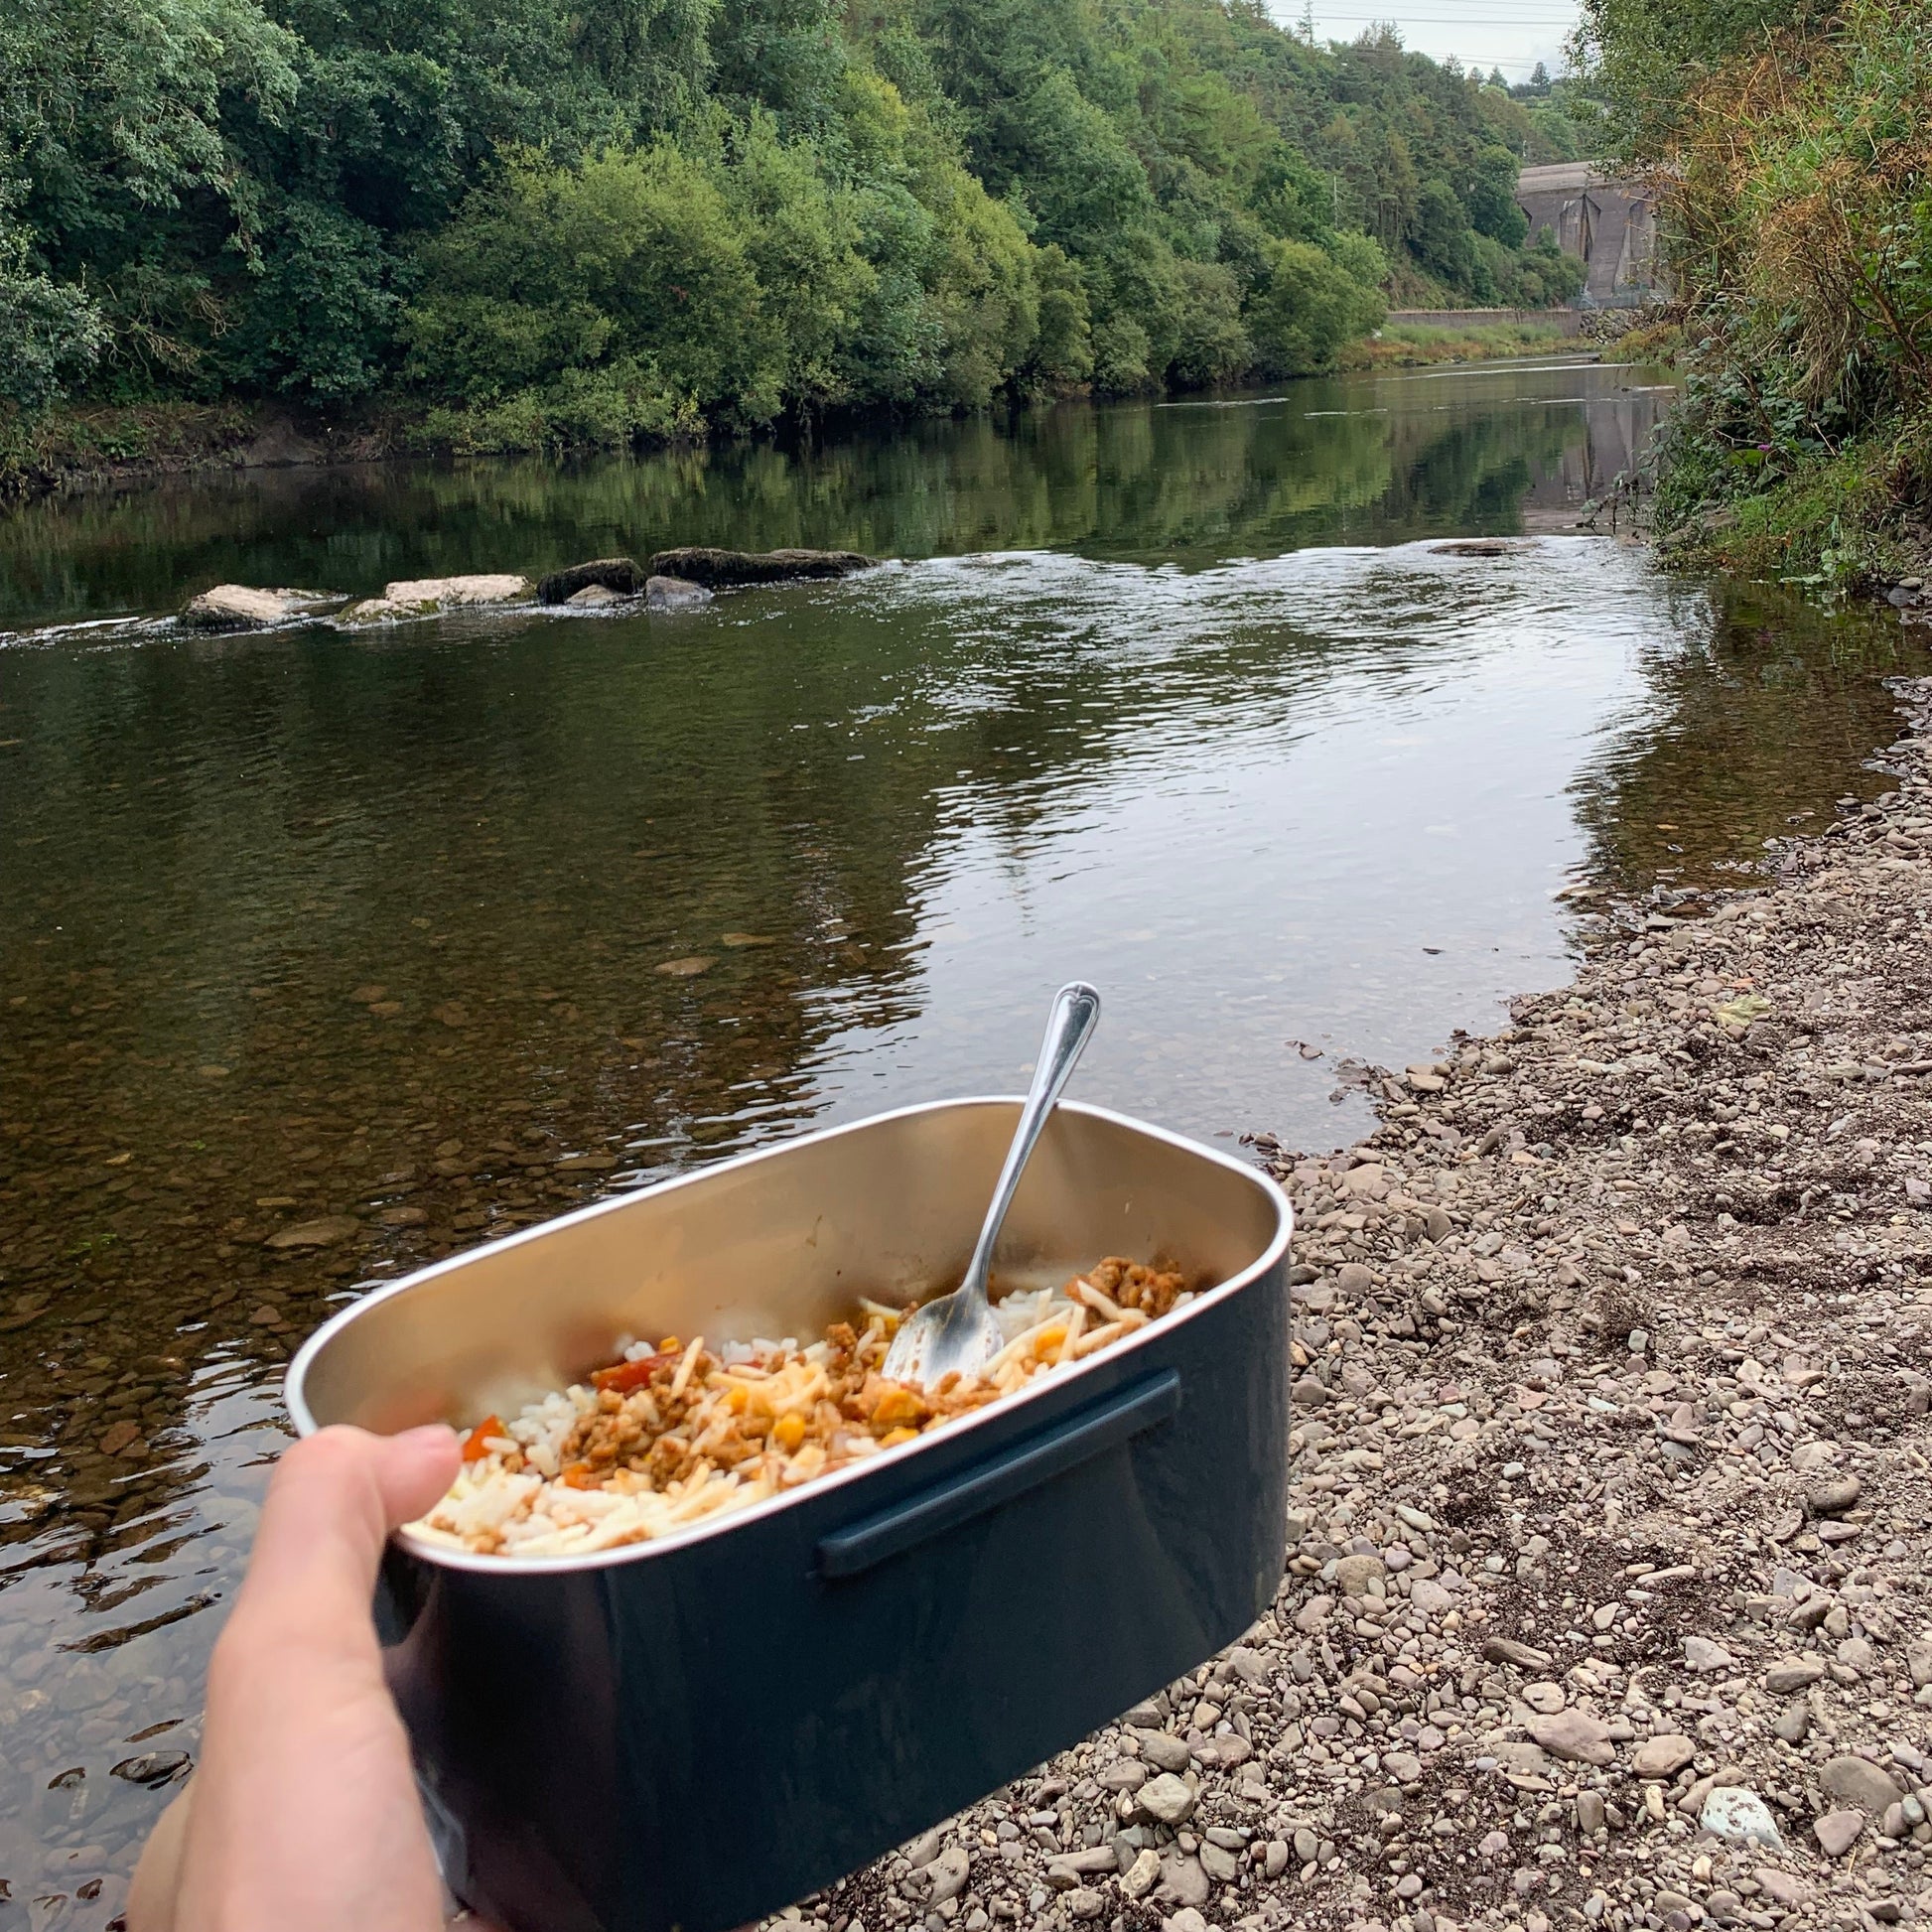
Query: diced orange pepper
622, 1377
788, 1431
473, 1443
1049, 1338
896, 1406
579, 1476
897, 1437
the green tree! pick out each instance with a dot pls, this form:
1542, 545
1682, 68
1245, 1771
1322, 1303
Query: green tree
1312, 306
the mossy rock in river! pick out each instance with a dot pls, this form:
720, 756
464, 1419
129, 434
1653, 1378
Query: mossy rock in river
241, 607
724, 570
620, 574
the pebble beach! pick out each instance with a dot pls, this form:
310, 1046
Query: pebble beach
1610, 1521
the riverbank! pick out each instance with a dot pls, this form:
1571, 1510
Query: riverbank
88, 448
1611, 1520
82, 448
1417, 344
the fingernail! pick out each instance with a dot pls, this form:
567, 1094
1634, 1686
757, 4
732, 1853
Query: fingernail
438, 1433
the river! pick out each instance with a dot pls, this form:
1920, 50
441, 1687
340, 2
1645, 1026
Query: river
438, 931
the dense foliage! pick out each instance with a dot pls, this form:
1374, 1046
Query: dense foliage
594, 219
1795, 154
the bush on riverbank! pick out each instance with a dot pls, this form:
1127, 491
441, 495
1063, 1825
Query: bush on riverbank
1799, 230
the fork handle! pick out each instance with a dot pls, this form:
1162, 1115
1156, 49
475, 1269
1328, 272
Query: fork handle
1069, 1025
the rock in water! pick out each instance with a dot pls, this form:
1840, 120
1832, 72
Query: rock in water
238, 607
623, 575
594, 597
673, 593
449, 593
424, 597
723, 570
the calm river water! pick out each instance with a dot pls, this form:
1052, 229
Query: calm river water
1179, 698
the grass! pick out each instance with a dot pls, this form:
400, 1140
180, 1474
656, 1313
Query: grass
1660, 344
1411, 344
1838, 522
99, 440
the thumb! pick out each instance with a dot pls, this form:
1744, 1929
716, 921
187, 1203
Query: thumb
330, 1506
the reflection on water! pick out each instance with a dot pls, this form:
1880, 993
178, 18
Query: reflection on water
323, 956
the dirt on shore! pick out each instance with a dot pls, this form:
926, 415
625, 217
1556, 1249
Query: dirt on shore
1611, 1511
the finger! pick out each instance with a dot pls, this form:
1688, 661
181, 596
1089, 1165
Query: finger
157, 1876
330, 1506
414, 1469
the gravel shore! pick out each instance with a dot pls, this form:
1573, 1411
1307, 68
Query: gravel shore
1605, 1600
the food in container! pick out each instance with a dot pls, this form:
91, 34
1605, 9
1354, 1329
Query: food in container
685, 1733
672, 1433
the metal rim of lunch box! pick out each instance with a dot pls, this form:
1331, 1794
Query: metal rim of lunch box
441, 1554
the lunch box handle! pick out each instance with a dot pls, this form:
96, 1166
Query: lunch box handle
1087, 1432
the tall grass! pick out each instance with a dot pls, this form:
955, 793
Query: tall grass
1402, 345
1797, 202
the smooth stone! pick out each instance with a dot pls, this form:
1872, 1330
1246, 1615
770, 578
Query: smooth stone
1702, 1654
1781, 1888
1082, 1903
1859, 1783
322, 1233
1506, 1650
1832, 1495
1183, 1882
1793, 1722
623, 576
1578, 1736
949, 1873
1741, 1815
450, 593
1544, 1697
375, 609
728, 569
1142, 1874
152, 1768
1591, 1816
1838, 1831
1359, 1576
593, 597
1662, 1757
1164, 1750
673, 593
241, 607
1794, 1674
1166, 1798
1220, 1863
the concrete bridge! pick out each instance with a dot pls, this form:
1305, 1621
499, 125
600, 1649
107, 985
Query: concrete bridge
1608, 222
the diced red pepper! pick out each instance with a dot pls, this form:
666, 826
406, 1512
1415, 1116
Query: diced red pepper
622, 1377
473, 1445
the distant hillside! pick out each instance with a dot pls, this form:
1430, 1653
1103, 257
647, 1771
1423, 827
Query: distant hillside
543, 221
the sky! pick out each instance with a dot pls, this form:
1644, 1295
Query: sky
1510, 34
